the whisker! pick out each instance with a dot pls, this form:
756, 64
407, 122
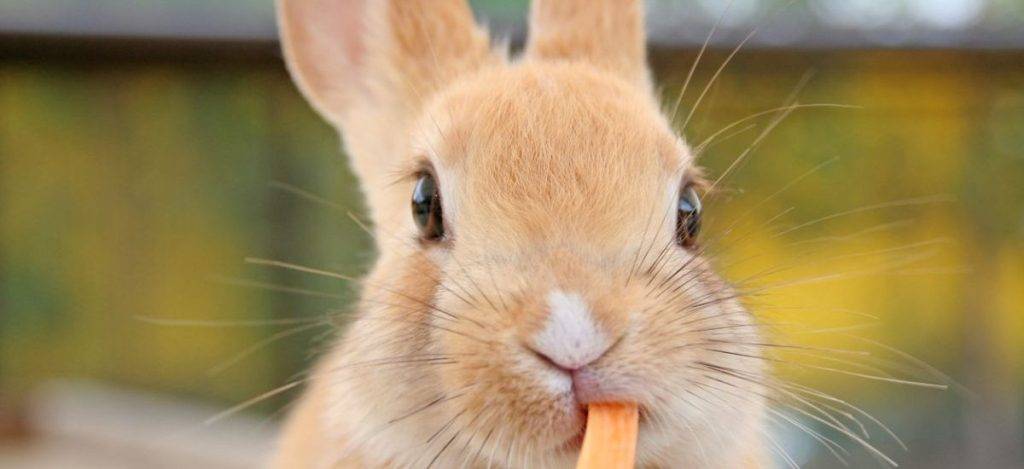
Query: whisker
780, 116
307, 195
472, 304
704, 92
250, 350
696, 61
821, 395
226, 323
910, 202
708, 141
275, 287
853, 436
251, 402
314, 271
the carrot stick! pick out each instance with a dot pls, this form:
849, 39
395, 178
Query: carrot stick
610, 440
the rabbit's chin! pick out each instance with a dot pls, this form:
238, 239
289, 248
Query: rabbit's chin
722, 439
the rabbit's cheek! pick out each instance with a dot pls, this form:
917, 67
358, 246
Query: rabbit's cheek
507, 390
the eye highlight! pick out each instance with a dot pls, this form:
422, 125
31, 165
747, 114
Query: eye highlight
426, 208
688, 217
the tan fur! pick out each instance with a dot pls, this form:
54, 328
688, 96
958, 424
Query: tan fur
557, 171
608, 34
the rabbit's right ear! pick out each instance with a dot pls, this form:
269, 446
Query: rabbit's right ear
369, 66
343, 51
324, 47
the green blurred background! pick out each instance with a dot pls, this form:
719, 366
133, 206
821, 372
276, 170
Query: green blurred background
139, 169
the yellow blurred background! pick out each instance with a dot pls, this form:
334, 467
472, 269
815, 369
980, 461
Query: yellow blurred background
137, 175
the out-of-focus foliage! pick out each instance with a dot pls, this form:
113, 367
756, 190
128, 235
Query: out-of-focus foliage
911, 231
138, 190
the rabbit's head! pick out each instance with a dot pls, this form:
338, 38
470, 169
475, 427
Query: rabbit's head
538, 226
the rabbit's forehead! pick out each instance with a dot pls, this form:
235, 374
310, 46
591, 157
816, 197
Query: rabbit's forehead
540, 150
550, 114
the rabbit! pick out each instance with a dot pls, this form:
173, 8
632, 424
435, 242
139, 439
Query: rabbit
537, 220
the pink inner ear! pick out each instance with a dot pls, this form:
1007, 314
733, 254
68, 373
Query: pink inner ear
329, 28
351, 22
325, 44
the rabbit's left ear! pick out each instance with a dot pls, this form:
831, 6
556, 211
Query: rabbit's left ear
608, 34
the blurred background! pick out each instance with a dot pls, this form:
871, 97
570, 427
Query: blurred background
147, 148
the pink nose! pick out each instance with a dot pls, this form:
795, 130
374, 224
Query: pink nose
586, 383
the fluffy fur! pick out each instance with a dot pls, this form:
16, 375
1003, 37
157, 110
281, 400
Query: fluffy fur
558, 171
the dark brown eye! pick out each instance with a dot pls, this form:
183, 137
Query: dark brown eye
688, 218
426, 208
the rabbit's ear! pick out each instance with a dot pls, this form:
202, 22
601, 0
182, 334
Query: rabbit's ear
606, 33
369, 65
323, 46
342, 51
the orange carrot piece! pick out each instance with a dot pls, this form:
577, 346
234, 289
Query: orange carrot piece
610, 440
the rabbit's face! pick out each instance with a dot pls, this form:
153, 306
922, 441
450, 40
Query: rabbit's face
540, 250
568, 267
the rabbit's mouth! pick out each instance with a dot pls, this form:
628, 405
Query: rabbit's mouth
572, 445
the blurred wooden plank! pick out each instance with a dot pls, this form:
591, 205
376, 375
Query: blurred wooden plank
86, 425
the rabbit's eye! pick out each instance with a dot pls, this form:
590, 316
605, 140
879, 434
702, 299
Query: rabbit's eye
688, 218
426, 208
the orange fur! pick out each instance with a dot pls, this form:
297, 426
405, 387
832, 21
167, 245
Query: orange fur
556, 171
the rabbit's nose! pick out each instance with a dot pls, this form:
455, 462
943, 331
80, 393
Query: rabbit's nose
570, 338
